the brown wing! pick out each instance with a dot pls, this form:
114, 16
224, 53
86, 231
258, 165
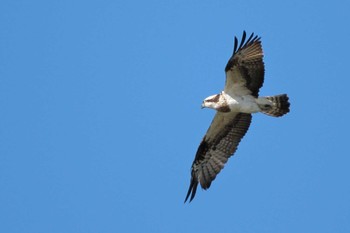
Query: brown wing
219, 144
245, 69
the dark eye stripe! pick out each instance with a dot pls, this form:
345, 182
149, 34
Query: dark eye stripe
215, 99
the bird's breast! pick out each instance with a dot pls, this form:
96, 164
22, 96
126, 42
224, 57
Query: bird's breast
245, 104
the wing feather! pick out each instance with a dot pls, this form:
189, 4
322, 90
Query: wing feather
245, 69
217, 146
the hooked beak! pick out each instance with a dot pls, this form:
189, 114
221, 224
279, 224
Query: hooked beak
202, 106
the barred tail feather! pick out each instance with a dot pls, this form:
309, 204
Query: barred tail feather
278, 105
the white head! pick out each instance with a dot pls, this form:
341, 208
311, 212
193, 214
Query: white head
217, 102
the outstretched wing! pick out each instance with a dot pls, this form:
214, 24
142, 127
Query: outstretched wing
219, 144
245, 69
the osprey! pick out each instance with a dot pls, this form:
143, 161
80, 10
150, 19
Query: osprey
234, 106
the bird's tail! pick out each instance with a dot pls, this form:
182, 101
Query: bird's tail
275, 106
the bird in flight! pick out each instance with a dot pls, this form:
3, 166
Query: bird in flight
234, 107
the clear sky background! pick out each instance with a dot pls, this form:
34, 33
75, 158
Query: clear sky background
100, 116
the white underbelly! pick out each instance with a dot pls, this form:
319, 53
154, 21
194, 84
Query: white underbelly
245, 104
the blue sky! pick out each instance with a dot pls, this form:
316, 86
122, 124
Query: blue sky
100, 117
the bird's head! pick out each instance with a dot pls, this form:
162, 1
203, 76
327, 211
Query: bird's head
217, 102
211, 101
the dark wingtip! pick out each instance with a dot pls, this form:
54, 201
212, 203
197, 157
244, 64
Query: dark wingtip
239, 45
191, 190
243, 39
244, 42
236, 45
